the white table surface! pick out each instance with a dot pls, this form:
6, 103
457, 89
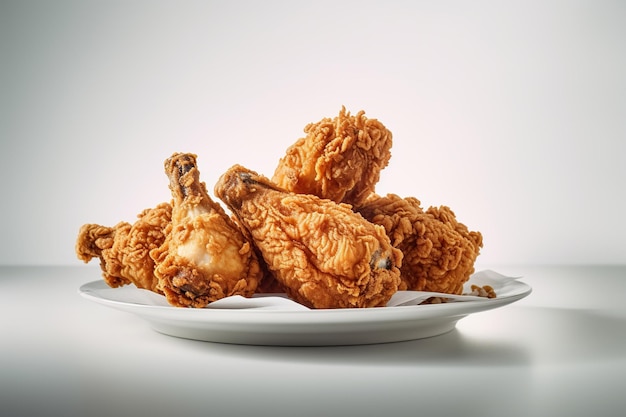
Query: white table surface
559, 352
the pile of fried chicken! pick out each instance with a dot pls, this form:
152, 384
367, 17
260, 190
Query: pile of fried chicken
316, 230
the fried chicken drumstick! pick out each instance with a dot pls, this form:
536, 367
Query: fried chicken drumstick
439, 252
339, 159
324, 254
124, 249
205, 257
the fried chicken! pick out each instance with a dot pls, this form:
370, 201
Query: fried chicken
205, 257
124, 249
439, 252
324, 254
339, 159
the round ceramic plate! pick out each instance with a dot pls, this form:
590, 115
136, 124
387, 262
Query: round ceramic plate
302, 327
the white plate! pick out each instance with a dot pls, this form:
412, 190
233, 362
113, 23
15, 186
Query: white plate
279, 327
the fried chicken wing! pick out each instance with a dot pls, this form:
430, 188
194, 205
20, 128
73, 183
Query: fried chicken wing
439, 252
324, 254
205, 257
339, 159
124, 249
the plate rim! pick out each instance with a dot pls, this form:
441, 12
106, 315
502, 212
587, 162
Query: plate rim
352, 315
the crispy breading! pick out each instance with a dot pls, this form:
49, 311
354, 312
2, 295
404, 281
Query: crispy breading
339, 159
205, 256
439, 252
124, 249
324, 254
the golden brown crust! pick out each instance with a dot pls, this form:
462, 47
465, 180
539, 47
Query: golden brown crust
324, 254
316, 231
124, 249
439, 252
205, 256
339, 159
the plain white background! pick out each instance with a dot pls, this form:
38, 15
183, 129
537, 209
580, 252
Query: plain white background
511, 113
